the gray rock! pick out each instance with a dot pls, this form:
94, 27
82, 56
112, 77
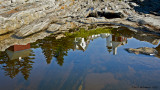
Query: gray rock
133, 4
54, 27
143, 50
35, 27
24, 13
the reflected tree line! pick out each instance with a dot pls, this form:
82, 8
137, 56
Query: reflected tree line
13, 67
51, 47
13, 64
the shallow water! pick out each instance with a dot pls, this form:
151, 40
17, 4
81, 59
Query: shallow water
95, 62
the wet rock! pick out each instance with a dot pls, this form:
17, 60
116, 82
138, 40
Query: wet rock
143, 50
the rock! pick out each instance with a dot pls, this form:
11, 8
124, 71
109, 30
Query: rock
18, 1
54, 27
140, 1
9, 41
35, 27
151, 21
155, 42
62, 27
3, 37
93, 14
19, 19
60, 36
133, 4
141, 22
143, 50
71, 25
19, 14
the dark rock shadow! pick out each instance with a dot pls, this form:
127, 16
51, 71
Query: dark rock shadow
148, 6
108, 15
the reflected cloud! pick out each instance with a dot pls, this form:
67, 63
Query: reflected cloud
98, 81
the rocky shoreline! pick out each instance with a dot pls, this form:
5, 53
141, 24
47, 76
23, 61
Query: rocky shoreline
25, 18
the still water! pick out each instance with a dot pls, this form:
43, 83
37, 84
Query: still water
93, 62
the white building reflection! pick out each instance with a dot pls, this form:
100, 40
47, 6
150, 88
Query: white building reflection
81, 43
112, 42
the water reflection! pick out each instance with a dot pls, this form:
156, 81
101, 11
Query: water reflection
86, 69
51, 47
55, 48
16, 59
19, 58
112, 42
18, 51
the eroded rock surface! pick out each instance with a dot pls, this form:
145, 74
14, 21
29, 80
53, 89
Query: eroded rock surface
21, 14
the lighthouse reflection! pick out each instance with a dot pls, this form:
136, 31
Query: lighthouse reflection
112, 42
